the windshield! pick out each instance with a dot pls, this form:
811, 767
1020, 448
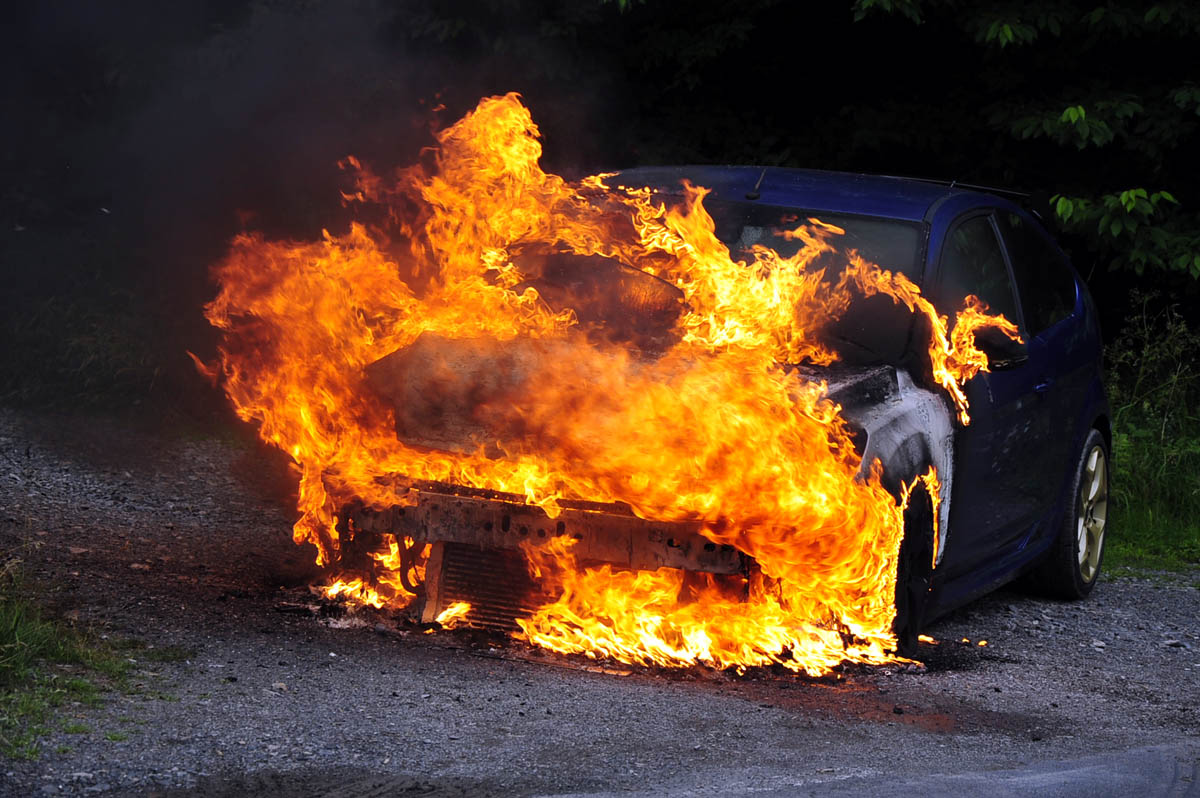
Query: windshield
891, 244
874, 330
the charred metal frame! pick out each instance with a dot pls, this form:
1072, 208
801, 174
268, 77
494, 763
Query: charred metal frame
469, 523
603, 533
906, 427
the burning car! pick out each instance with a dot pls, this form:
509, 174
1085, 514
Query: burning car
710, 415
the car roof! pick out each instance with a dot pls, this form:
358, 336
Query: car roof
812, 189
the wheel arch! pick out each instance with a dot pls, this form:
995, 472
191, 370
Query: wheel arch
908, 434
1103, 424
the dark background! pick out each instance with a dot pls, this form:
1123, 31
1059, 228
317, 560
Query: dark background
140, 136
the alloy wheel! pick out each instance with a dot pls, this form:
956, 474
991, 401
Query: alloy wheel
1092, 513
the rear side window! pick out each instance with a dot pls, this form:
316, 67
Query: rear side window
972, 263
1045, 283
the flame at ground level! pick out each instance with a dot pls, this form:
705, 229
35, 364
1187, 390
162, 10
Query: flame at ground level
453, 615
705, 425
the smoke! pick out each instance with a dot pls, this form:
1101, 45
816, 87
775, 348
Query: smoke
154, 132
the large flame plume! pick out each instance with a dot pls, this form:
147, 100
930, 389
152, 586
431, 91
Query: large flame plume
714, 428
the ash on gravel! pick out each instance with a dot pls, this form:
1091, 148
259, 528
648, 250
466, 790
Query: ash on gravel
183, 545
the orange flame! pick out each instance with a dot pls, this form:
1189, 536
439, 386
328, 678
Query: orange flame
933, 489
453, 615
356, 591
713, 429
388, 590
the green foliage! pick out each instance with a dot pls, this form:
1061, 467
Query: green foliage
88, 343
546, 38
1180, 18
30, 645
1110, 118
1101, 124
624, 5
1004, 31
1135, 229
1071, 127
910, 9
1187, 98
1154, 388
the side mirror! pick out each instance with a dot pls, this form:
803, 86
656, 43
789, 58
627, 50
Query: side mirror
1002, 352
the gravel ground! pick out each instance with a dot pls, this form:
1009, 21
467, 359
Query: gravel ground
178, 542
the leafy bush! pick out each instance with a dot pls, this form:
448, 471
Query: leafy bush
1154, 388
89, 344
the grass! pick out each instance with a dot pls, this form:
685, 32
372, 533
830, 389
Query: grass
27, 710
85, 344
1142, 539
1154, 513
45, 664
1154, 390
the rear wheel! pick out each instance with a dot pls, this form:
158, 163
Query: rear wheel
1072, 565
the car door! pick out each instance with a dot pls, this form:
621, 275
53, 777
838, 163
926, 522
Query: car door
996, 493
1049, 298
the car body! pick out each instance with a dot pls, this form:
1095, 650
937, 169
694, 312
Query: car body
1017, 493
1013, 467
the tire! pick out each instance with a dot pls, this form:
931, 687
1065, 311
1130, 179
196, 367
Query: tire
1072, 565
914, 572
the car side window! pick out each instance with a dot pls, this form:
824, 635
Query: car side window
1044, 282
972, 263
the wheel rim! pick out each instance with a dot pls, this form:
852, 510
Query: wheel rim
1092, 513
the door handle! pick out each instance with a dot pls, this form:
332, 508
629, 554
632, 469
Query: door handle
1044, 385
1004, 364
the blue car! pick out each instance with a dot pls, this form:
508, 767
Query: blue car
1024, 485
1028, 477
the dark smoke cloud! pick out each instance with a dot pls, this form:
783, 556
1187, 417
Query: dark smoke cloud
150, 133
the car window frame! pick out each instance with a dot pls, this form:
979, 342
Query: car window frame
1064, 260
938, 271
